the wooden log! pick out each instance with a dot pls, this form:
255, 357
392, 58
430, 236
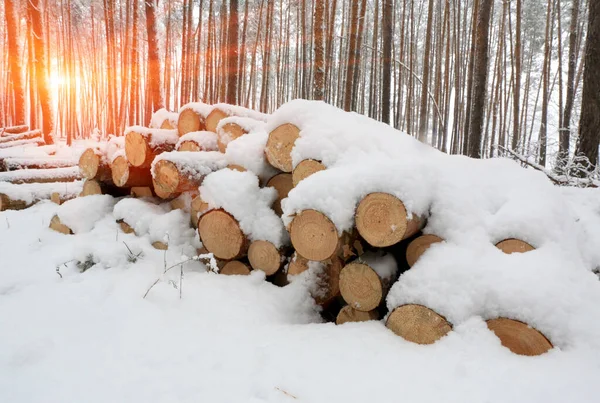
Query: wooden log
297, 265
213, 119
227, 134
304, 169
513, 245
365, 282
58, 226
33, 134
169, 180
18, 197
91, 187
382, 220
93, 166
190, 121
263, 255
6, 203
126, 228
13, 129
313, 235
519, 337
418, 324
143, 145
197, 141
222, 111
283, 184
419, 246
189, 145
13, 164
141, 191
197, 207
235, 267
41, 175
37, 142
327, 287
349, 314
279, 146
126, 175
160, 245
221, 234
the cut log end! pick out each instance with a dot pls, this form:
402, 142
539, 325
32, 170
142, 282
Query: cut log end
283, 184
231, 132
189, 121
166, 178
137, 150
263, 255
419, 246
120, 171
167, 125
141, 191
349, 314
220, 233
513, 245
58, 226
235, 267
418, 324
381, 219
189, 146
213, 119
305, 169
518, 337
279, 146
160, 245
313, 235
297, 265
197, 207
6, 203
91, 187
89, 162
361, 287
126, 228
55, 198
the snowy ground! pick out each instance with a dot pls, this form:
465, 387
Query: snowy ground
90, 337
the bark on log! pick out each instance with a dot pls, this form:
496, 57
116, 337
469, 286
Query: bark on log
227, 134
198, 207
41, 175
419, 246
519, 337
221, 234
513, 245
13, 130
349, 314
126, 175
418, 324
305, 169
141, 150
33, 134
37, 142
190, 121
58, 226
235, 267
283, 184
263, 255
382, 220
14, 164
93, 166
279, 146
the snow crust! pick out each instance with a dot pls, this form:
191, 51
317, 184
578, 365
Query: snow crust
46, 174
31, 192
248, 151
157, 136
161, 115
50, 162
383, 264
247, 124
240, 111
240, 195
194, 164
206, 140
82, 213
198, 107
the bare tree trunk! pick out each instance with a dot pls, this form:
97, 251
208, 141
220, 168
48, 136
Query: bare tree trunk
517, 86
14, 57
470, 78
545, 84
233, 50
319, 46
134, 60
388, 34
155, 100
425, 84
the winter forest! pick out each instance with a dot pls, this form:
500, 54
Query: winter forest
476, 77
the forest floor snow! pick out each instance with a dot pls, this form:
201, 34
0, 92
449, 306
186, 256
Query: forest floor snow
72, 336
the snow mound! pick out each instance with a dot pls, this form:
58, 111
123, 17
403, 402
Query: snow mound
240, 195
82, 213
199, 107
161, 115
206, 140
248, 151
31, 192
157, 136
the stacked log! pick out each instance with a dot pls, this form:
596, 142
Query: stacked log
221, 234
16, 163
418, 324
279, 146
305, 169
349, 314
125, 175
197, 141
28, 135
419, 246
518, 337
13, 129
35, 142
163, 119
234, 127
283, 184
222, 111
93, 165
192, 117
143, 145
41, 175
513, 245
18, 197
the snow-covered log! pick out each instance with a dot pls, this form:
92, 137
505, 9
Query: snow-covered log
41, 175
81, 214
365, 282
197, 208
305, 169
321, 278
126, 175
17, 197
13, 129
163, 119
418, 324
35, 142
13, 164
234, 127
282, 183
349, 314
519, 337
142, 145
175, 172
222, 111
197, 141
33, 134
93, 165
235, 267
513, 245
192, 117
279, 146
419, 246
248, 152
263, 255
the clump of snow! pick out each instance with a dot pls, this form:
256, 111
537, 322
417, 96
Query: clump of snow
240, 111
114, 145
240, 195
248, 151
161, 115
193, 164
41, 174
383, 264
157, 136
32, 192
139, 213
82, 213
206, 140
44, 162
172, 228
199, 107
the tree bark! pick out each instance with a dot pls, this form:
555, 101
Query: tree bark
14, 57
155, 100
425, 84
319, 46
388, 34
233, 50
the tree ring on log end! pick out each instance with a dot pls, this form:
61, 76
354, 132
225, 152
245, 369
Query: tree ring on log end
189, 121
349, 314
283, 184
120, 171
167, 125
297, 265
279, 146
305, 169
136, 149
518, 337
418, 324
166, 177
381, 219
313, 235
232, 131
263, 255
213, 119
513, 245
235, 267
220, 233
58, 226
89, 162
419, 246
361, 287
189, 145
90, 187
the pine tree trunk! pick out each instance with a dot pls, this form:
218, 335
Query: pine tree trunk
233, 47
517, 87
425, 86
388, 34
545, 87
319, 46
10, 14
155, 82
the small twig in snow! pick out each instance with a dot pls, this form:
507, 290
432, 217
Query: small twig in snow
286, 393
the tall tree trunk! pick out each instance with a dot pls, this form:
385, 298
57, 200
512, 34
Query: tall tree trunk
353, 39
517, 82
388, 34
154, 84
470, 77
134, 60
545, 87
425, 84
14, 57
480, 73
319, 46
233, 50
589, 125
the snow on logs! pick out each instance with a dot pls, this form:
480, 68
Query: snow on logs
234, 127
143, 145
513, 245
518, 337
126, 175
192, 117
305, 169
16, 163
322, 278
94, 162
222, 111
163, 119
18, 197
69, 174
197, 141
175, 172
13, 129
29, 135
418, 246
79, 215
